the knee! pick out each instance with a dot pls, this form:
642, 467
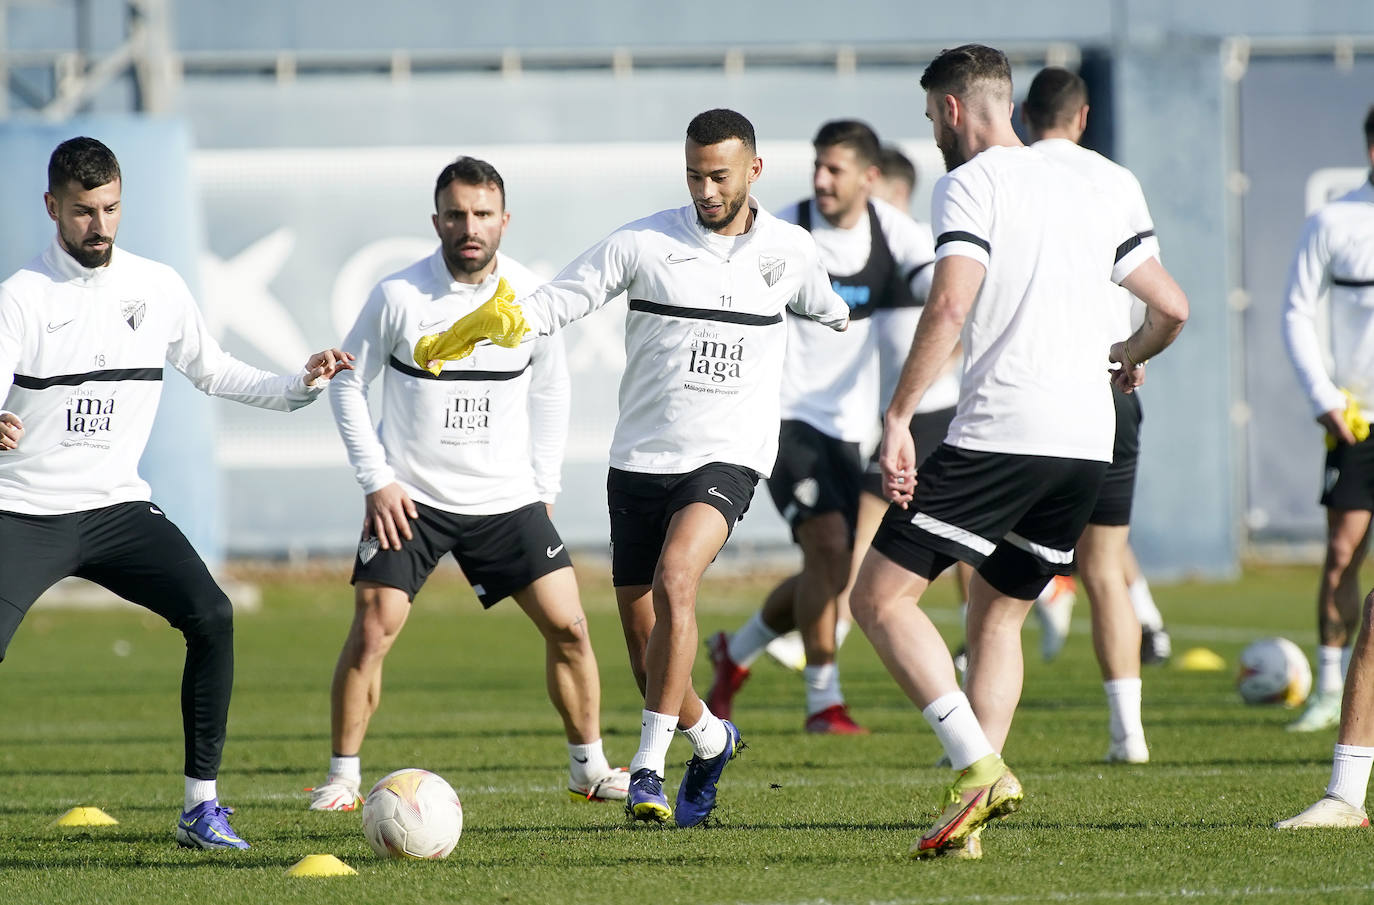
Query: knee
828, 561
570, 635
211, 615
865, 606
677, 583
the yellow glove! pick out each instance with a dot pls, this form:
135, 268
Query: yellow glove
1355, 421
499, 320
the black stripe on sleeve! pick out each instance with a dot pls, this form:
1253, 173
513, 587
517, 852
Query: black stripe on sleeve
71, 380
705, 314
959, 235
1132, 244
1351, 284
404, 368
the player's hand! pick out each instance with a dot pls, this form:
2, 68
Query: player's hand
1129, 376
388, 516
897, 457
324, 365
1334, 422
11, 431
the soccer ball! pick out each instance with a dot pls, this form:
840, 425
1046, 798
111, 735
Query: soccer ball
1274, 671
412, 814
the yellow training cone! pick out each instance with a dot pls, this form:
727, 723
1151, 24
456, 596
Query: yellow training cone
1200, 659
320, 866
85, 817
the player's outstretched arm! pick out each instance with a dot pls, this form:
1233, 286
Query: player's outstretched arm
11, 430
1166, 311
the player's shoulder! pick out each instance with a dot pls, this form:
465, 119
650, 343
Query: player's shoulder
1356, 203
418, 278
521, 278
778, 231
896, 222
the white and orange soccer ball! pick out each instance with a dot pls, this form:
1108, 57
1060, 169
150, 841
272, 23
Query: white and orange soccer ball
412, 814
1274, 671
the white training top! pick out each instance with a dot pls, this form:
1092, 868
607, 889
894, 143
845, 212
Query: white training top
1336, 258
1036, 342
831, 380
704, 333
81, 356
487, 435
1120, 184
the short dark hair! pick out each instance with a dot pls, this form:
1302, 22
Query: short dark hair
469, 171
893, 164
1054, 98
957, 70
851, 133
715, 126
1369, 128
82, 160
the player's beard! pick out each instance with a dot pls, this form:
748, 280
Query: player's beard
948, 143
459, 264
87, 257
731, 209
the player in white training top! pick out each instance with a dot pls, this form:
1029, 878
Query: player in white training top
829, 393
706, 286
85, 329
1336, 257
1023, 246
1056, 113
465, 462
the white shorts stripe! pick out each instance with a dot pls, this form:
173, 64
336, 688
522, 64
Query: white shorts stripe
1048, 554
938, 528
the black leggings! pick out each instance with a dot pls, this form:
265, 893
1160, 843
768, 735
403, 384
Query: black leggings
133, 550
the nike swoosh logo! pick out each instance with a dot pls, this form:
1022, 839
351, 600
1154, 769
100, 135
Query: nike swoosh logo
553, 551
154, 510
674, 259
581, 760
52, 328
714, 492
947, 713
426, 326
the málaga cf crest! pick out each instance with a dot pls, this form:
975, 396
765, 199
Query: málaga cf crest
771, 268
133, 310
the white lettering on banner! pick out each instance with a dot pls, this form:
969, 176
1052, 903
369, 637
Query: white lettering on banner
238, 297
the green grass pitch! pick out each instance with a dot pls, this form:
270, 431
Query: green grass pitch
89, 702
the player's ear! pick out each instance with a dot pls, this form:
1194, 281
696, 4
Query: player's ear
755, 169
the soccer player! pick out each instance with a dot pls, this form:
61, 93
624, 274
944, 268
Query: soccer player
1056, 113
1335, 258
84, 331
1023, 244
872, 252
466, 462
896, 178
707, 285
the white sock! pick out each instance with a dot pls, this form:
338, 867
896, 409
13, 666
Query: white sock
822, 687
349, 769
707, 735
587, 761
951, 716
842, 627
1350, 773
197, 791
747, 643
655, 735
1329, 678
1143, 602
1123, 709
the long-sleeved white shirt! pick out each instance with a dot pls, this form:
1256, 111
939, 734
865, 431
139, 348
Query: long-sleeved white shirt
487, 435
1335, 258
704, 333
81, 356
830, 380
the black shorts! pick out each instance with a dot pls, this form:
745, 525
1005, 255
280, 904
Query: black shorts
499, 554
643, 504
1349, 479
1014, 518
815, 474
1118, 487
928, 430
